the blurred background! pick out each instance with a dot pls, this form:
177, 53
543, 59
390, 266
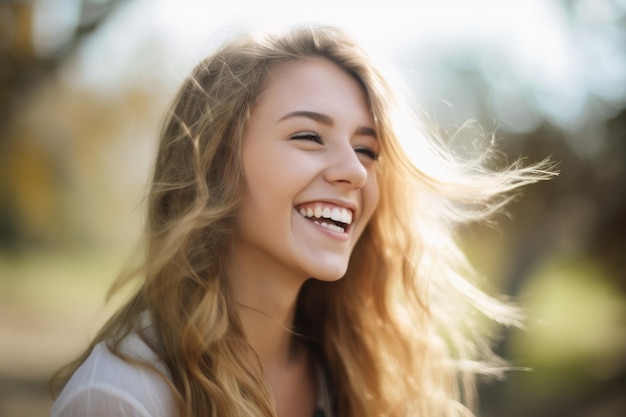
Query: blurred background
84, 86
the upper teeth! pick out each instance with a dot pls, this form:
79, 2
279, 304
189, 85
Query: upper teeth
337, 214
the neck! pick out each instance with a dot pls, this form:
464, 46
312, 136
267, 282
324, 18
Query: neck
267, 294
268, 328
267, 298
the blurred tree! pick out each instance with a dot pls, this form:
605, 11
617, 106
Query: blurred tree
25, 60
36, 38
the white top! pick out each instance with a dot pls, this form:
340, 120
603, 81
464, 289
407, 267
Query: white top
105, 385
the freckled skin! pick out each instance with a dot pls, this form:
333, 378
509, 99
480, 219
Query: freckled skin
283, 168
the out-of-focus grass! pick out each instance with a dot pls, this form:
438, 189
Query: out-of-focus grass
50, 279
576, 333
51, 305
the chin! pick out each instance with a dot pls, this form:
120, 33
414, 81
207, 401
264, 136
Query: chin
330, 274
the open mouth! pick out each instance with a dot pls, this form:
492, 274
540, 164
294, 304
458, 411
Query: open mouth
335, 218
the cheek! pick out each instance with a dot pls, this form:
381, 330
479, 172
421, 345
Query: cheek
268, 193
371, 197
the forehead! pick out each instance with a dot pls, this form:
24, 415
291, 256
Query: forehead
315, 84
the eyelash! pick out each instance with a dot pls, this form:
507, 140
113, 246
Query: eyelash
368, 152
314, 137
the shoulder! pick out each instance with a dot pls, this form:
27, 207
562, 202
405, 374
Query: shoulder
106, 385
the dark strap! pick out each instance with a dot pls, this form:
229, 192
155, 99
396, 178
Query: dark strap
324, 405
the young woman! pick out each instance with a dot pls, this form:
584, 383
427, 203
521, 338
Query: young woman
297, 262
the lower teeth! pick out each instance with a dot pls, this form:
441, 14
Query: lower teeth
330, 226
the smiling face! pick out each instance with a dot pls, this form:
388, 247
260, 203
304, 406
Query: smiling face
308, 158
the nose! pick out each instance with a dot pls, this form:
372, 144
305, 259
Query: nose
345, 169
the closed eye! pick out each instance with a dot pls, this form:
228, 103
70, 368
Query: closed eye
370, 153
312, 136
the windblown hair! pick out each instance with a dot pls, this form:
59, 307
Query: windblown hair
389, 330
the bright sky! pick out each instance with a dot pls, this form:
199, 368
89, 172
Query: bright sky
531, 50
189, 28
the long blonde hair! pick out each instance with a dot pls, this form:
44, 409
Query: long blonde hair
389, 329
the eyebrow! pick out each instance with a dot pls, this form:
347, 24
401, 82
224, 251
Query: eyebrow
326, 120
